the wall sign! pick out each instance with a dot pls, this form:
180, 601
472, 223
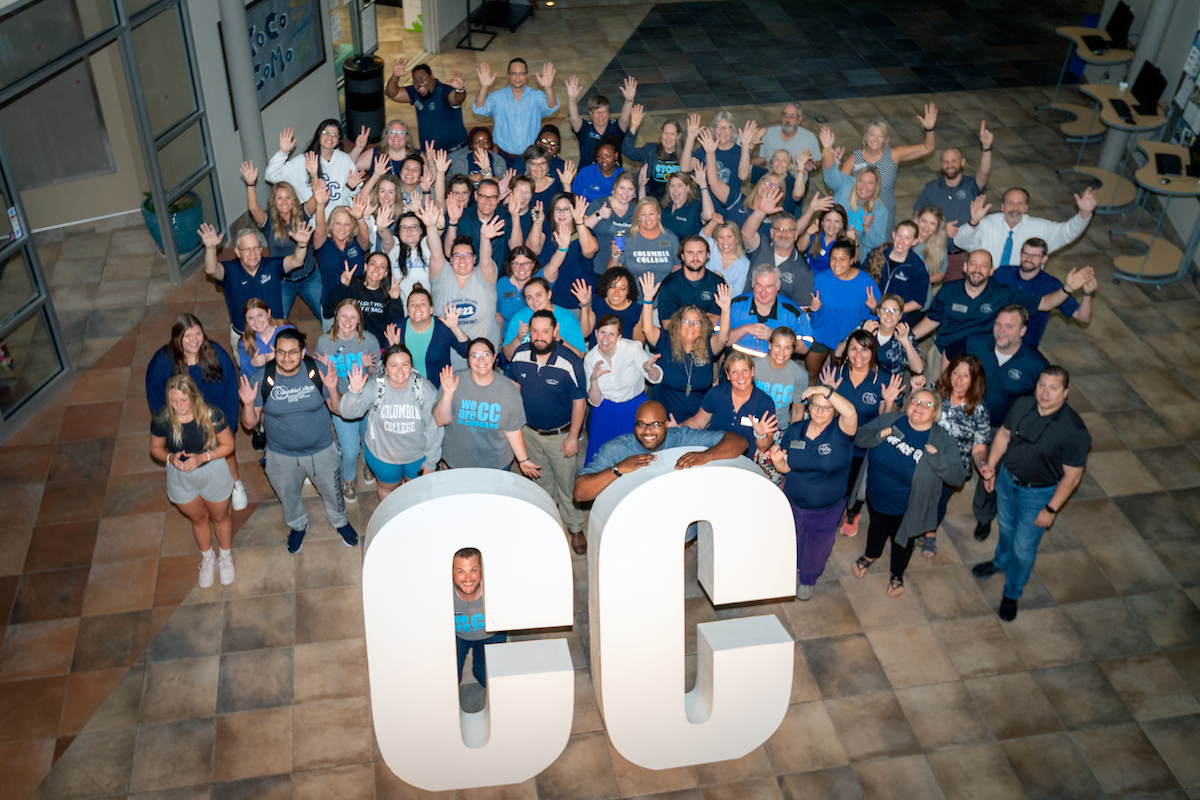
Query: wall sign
635, 563
286, 43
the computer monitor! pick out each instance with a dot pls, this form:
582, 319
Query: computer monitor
1148, 88
1118, 25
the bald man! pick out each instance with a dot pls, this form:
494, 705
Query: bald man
953, 191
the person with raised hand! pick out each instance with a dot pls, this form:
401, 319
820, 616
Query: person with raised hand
429, 339
661, 158
323, 159
599, 124
517, 109
877, 152
438, 105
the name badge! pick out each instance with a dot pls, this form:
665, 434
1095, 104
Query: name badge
797, 445
958, 308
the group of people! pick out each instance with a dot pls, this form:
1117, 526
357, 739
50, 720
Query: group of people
486, 303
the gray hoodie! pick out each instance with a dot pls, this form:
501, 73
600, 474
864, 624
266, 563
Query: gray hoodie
400, 429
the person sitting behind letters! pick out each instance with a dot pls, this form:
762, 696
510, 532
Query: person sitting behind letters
470, 630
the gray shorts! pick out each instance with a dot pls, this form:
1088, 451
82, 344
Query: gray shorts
212, 481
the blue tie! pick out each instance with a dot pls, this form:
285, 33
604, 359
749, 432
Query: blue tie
1007, 251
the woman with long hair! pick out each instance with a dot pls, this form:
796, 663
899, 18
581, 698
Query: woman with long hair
377, 297
411, 252
843, 298
965, 417
284, 213
859, 194
911, 460
659, 160
859, 380
323, 159
687, 203
726, 255
340, 239
195, 441
191, 352
395, 452
830, 226
610, 217
396, 148
688, 344
257, 345
565, 246
738, 406
346, 344
933, 244
617, 370
649, 247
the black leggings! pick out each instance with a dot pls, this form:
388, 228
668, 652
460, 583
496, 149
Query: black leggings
853, 506
884, 527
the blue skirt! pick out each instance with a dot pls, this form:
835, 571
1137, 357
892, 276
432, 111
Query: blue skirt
610, 420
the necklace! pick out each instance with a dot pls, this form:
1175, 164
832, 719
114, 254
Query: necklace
688, 363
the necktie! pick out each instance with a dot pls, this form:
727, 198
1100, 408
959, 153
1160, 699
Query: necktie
1007, 251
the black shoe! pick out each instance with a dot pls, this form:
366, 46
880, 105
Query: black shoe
1008, 609
985, 570
295, 540
258, 439
348, 535
982, 530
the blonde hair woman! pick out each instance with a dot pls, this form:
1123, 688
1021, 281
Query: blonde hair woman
193, 439
726, 254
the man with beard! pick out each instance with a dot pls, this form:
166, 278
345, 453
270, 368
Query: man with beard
1010, 369
795, 274
1005, 233
470, 625
438, 105
971, 305
953, 191
1032, 277
787, 135
693, 285
554, 393
631, 452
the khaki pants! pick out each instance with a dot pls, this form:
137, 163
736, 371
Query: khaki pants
558, 472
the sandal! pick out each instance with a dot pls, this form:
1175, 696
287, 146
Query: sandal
929, 546
860, 567
895, 586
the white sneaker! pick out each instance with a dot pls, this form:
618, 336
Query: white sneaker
207, 565
225, 567
240, 500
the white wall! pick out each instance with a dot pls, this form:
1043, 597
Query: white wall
302, 107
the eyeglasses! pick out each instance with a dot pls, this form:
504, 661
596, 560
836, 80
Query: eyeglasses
892, 311
462, 256
487, 197
331, 135
517, 72
478, 356
784, 230
250, 249
691, 323
410, 228
925, 403
397, 133
790, 116
654, 426
523, 264
279, 352
815, 407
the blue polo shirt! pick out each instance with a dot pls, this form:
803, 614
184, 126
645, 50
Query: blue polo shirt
908, 278
893, 462
589, 137
1017, 377
469, 224
677, 291
685, 221
719, 403
508, 299
617, 450
332, 260
820, 467
743, 312
437, 120
1041, 285
548, 391
865, 397
591, 184
240, 286
961, 315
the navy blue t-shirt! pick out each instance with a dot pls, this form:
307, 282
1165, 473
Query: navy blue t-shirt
470, 225
685, 221
866, 397
719, 403
908, 278
630, 317
240, 286
820, 467
677, 291
437, 120
961, 315
1041, 285
893, 462
673, 391
589, 137
332, 262
727, 169
574, 267
1017, 377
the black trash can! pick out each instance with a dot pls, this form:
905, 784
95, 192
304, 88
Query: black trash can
364, 95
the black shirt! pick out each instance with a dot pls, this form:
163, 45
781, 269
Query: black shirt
192, 438
1040, 446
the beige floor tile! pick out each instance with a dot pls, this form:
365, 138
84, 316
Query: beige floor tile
1120, 473
330, 670
1124, 760
1150, 687
584, 771
253, 743
872, 726
976, 773
912, 656
184, 688
1045, 637
331, 733
1013, 705
872, 605
943, 715
898, 778
806, 740
978, 646
1050, 767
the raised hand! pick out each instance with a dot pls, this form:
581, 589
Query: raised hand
249, 173
441, 161
246, 392
636, 116
750, 133
302, 233
450, 315
385, 217
1076, 278
929, 119
700, 176
311, 163
358, 209
693, 126
838, 152
985, 136
821, 203
392, 334
209, 235
485, 74
893, 389
287, 140
829, 377
347, 274
872, 303
426, 184
600, 370
582, 291
427, 212
648, 364
399, 67
648, 286
867, 220
1086, 202
449, 380
357, 378
707, 141
902, 330
629, 88
826, 138
724, 296
643, 177
454, 209
770, 200
1091, 286
546, 76
363, 137
492, 228
573, 89
456, 80
567, 175
917, 382
482, 160
579, 210
765, 426
562, 234
394, 290
815, 305
329, 376
355, 178
979, 209
382, 163
506, 182
320, 191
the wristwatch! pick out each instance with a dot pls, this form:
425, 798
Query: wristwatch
1051, 510
616, 470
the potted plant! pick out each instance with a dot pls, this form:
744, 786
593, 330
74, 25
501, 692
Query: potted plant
187, 214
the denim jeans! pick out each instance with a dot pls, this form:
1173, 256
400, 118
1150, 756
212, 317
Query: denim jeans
478, 661
349, 435
1017, 508
308, 288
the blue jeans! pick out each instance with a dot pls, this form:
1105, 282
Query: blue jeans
1017, 508
478, 662
308, 288
349, 435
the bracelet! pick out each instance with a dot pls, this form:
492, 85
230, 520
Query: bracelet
647, 302
927, 130
207, 456
1051, 510
563, 249
1089, 294
522, 461
987, 149
585, 305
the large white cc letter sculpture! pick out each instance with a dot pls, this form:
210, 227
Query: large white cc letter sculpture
423, 735
747, 551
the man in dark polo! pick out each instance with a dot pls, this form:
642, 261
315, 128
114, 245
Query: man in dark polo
1010, 368
554, 393
1035, 463
695, 284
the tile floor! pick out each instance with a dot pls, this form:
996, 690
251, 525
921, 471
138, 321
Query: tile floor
119, 678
